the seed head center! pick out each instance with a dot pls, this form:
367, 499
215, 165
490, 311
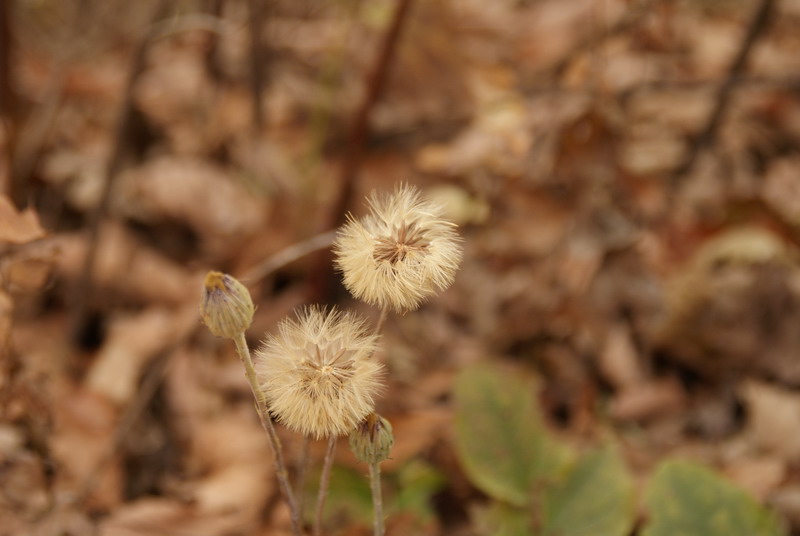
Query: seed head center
404, 240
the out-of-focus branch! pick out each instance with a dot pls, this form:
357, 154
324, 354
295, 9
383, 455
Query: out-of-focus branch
354, 150
7, 96
358, 134
257, 60
288, 255
125, 123
707, 136
214, 8
550, 74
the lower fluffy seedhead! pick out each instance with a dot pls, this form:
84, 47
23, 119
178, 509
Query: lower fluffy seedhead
318, 373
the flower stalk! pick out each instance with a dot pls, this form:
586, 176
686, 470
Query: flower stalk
377, 498
227, 310
324, 484
266, 422
371, 443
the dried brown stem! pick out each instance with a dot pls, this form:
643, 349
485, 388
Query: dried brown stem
707, 136
324, 484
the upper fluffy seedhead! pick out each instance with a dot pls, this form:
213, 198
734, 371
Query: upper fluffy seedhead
225, 305
400, 253
318, 373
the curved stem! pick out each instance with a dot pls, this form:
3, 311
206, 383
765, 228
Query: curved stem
377, 498
324, 481
382, 320
266, 422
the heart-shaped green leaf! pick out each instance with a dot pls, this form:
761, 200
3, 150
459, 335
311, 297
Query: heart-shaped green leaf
500, 438
595, 499
687, 499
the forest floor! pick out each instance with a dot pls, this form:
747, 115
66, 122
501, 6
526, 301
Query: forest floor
625, 175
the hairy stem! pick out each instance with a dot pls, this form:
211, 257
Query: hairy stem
377, 498
324, 481
266, 421
302, 472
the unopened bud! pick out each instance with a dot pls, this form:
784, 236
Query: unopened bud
226, 306
372, 440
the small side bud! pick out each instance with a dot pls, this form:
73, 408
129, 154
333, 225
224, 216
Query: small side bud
226, 306
372, 440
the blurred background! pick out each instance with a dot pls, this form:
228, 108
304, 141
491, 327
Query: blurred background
625, 174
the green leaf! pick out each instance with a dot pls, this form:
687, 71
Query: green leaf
595, 499
417, 482
500, 438
501, 519
349, 495
687, 499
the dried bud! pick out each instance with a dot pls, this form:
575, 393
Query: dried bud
372, 440
226, 306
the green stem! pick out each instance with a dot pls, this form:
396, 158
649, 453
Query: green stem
377, 498
266, 422
324, 481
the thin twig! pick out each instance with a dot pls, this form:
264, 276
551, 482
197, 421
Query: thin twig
302, 472
256, 19
377, 498
354, 150
324, 482
8, 99
707, 136
288, 255
215, 9
266, 422
83, 289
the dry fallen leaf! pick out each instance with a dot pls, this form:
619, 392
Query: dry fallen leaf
618, 360
760, 476
773, 419
18, 227
129, 268
131, 343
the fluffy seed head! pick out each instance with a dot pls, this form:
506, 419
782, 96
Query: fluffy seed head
400, 253
226, 307
318, 373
